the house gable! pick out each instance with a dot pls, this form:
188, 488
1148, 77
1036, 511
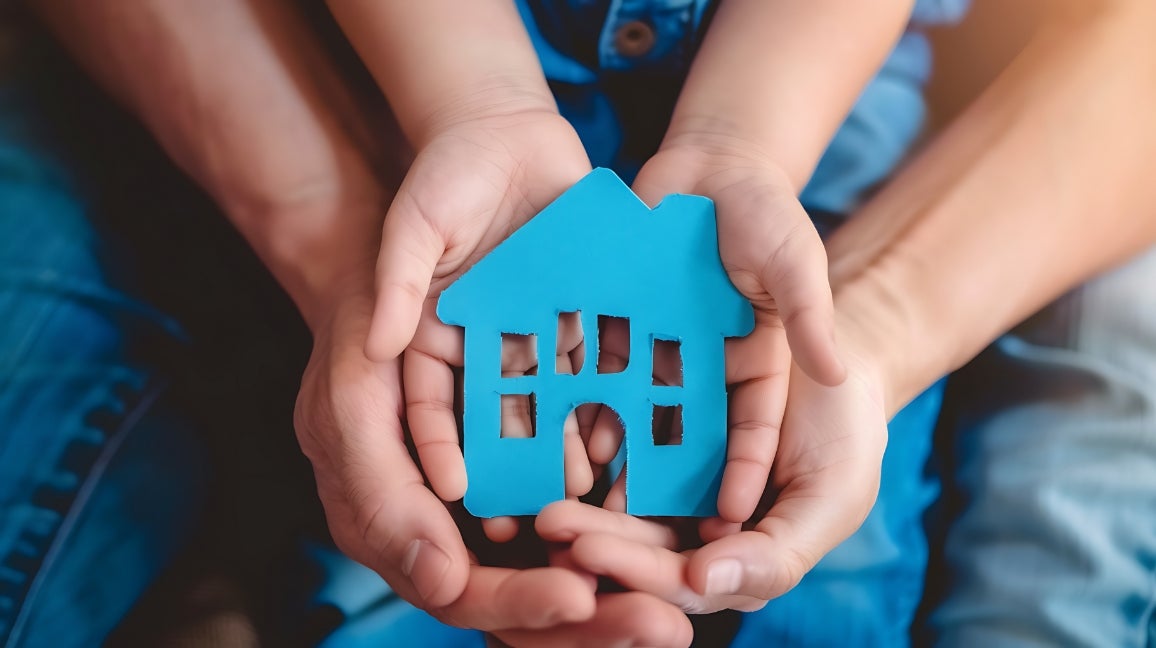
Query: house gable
598, 243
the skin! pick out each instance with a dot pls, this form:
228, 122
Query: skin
906, 282
746, 135
990, 223
222, 85
243, 99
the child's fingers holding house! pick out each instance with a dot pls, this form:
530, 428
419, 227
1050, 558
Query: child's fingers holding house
429, 395
757, 369
775, 257
579, 473
768, 245
469, 187
613, 355
638, 554
566, 521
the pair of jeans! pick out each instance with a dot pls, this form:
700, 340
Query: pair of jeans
98, 482
1048, 451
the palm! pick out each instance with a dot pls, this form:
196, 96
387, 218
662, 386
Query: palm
474, 184
467, 191
826, 474
825, 480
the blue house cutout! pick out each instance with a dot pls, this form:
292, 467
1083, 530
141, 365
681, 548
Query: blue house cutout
600, 251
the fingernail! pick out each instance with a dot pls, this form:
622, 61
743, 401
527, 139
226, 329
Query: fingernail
724, 576
425, 565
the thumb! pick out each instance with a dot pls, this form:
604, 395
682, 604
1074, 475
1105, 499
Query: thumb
410, 251
398, 528
805, 523
769, 238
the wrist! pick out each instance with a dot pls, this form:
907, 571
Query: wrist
319, 252
707, 163
493, 101
879, 326
718, 139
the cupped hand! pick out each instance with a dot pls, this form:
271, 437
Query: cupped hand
468, 189
774, 256
769, 247
381, 513
824, 483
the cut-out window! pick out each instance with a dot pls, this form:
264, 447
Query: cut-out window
666, 426
519, 355
519, 416
667, 355
570, 350
613, 344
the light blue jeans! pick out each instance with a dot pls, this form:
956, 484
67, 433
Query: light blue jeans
1050, 478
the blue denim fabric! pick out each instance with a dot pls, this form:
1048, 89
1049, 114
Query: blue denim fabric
1051, 478
96, 485
874, 138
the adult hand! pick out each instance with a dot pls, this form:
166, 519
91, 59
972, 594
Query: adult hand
824, 483
242, 96
348, 421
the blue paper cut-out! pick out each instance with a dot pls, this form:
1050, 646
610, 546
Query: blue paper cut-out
600, 250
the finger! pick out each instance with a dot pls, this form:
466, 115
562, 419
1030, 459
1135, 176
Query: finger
497, 598
613, 356
764, 234
517, 416
519, 355
651, 569
758, 376
711, 529
500, 529
587, 413
616, 497
559, 556
433, 425
606, 436
620, 621
805, 522
571, 342
379, 511
579, 476
410, 250
565, 521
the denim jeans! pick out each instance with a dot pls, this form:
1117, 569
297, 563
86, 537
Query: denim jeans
97, 482
1049, 458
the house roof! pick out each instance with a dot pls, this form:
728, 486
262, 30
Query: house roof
598, 246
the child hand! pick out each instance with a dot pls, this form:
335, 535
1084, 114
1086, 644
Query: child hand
768, 245
774, 257
468, 189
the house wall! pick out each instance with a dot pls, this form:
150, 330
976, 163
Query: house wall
519, 476
683, 479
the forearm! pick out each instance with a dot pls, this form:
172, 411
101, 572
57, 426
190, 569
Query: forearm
1042, 183
245, 102
781, 76
444, 61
